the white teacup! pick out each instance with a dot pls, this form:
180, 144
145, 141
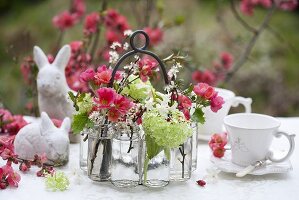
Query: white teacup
251, 136
214, 121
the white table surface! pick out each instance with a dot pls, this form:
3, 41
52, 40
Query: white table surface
271, 186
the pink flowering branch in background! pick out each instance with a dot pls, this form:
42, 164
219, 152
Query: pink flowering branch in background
224, 70
220, 68
247, 8
87, 51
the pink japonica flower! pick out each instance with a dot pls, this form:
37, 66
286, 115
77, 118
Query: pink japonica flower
113, 115
155, 35
204, 90
219, 152
78, 8
216, 103
91, 23
64, 20
218, 140
186, 113
87, 75
217, 144
112, 36
205, 76
17, 123
146, 67
103, 75
226, 60
116, 21
13, 179
8, 177
184, 102
287, 5
76, 46
122, 104
106, 97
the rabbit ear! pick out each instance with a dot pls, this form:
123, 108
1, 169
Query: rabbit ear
39, 57
63, 57
66, 125
46, 123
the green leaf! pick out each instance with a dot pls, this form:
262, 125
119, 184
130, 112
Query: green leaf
189, 89
179, 19
80, 121
160, 5
74, 100
72, 96
81, 97
167, 153
152, 149
198, 116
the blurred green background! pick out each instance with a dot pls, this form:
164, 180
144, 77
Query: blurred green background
270, 77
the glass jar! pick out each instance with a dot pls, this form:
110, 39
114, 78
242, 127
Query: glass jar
194, 127
84, 149
181, 161
99, 153
125, 157
156, 170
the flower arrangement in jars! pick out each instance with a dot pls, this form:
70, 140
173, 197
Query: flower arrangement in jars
112, 109
120, 102
167, 127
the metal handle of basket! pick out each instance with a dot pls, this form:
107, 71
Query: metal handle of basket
141, 50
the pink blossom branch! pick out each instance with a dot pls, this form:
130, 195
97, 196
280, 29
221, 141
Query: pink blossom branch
98, 32
148, 9
253, 30
240, 19
248, 49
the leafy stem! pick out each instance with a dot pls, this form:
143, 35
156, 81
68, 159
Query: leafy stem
182, 151
145, 167
131, 142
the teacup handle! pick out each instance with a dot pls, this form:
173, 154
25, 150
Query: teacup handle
291, 149
246, 102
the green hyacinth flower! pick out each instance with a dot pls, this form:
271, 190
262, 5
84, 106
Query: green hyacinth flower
57, 181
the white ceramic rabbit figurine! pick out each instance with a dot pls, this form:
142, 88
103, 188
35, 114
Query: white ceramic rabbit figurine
43, 137
51, 84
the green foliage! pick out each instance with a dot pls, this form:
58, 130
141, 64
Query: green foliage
57, 181
188, 91
166, 134
82, 102
153, 149
163, 135
179, 19
198, 116
85, 103
80, 121
137, 89
74, 99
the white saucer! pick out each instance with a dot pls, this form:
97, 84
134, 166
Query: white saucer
224, 164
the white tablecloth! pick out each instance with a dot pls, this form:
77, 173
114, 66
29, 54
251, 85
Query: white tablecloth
271, 186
